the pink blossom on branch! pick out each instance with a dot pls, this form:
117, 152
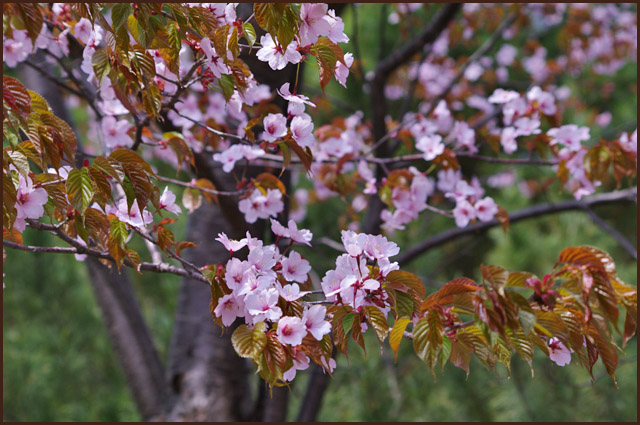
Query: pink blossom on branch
276, 55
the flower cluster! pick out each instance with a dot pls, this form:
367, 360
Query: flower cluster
262, 288
353, 283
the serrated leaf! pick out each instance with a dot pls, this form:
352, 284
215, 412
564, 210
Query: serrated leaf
100, 64
249, 33
80, 189
249, 342
378, 321
118, 231
396, 334
409, 280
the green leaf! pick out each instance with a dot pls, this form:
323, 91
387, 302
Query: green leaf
378, 321
397, 333
100, 63
227, 85
249, 342
118, 231
80, 189
428, 337
249, 33
119, 14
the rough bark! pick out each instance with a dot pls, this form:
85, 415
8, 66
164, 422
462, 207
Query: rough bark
114, 294
130, 337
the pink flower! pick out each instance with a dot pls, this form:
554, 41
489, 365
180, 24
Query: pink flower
275, 55
313, 24
314, 321
216, 64
230, 156
603, 119
569, 135
82, 30
463, 213
229, 307
116, 132
542, 100
465, 135
295, 268
447, 180
503, 96
291, 330
302, 131
527, 126
292, 292
558, 352
336, 32
17, 49
133, 217
264, 305
508, 139
286, 94
168, 202
29, 202
275, 126
235, 274
431, 146
506, 55
486, 209
300, 362
279, 229
230, 244
342, 72
353, 242
301, 236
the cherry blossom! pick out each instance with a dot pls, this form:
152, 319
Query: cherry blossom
83, 30
291, 292
313, 23
216, 64
342, 69
558, 352
133, 216
258, 205
302, 131
465, 136
275, 55
275, 127
431, 146
229, 307
263, 305
314, 321
569, 135
235, 153
486, 209
503, 96
29, 202
463, 213
295, 268
116, 132
300, 362
291, 330
168, 202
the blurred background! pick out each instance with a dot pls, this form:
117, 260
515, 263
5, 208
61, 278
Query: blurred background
58, 363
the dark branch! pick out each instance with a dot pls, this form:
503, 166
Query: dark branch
628, 195
624, 242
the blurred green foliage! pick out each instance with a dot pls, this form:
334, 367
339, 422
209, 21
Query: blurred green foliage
58, 364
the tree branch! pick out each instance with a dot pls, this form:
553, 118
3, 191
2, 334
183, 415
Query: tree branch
628, 195
624, 242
